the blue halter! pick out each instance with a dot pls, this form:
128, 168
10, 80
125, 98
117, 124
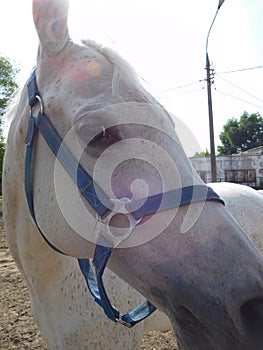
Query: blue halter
86, 186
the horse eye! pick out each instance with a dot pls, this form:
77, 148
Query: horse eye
98, 136
96, 139
105, 137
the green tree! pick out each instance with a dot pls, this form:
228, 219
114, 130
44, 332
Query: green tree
241, 135
205, 153
2, 151
8, 85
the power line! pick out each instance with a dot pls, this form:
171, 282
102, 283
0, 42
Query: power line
183, 86
241, 89
240, 70
201, 80
182, 93
239, 99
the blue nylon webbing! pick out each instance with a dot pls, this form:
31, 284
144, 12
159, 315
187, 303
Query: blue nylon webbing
83, 180
96, 287
84, 183
86, 186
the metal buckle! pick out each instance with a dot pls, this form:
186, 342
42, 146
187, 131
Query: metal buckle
122, 322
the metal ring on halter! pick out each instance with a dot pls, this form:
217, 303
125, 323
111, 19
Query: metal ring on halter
121, 233
41, 105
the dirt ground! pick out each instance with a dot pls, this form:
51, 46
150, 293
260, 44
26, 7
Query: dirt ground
17, 328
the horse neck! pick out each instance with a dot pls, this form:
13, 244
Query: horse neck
22, 234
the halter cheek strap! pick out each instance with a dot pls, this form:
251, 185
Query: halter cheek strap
93, 194
86, 186
103, 248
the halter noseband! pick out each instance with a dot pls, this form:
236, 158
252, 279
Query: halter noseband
102, 205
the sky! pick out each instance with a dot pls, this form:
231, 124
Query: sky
165, 40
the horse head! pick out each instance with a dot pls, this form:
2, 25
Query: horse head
192, 261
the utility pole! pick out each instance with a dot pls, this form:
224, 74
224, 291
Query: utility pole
210, 80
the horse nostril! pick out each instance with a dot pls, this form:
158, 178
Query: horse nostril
252, 314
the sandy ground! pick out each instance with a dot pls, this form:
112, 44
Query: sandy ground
17, 327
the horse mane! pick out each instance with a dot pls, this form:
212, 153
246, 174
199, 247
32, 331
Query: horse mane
124, 74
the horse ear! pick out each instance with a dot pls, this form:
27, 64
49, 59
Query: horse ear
50, 17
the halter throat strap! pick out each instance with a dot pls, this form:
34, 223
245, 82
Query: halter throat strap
101, 204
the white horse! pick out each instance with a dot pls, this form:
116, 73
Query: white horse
246, 205
188, 258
